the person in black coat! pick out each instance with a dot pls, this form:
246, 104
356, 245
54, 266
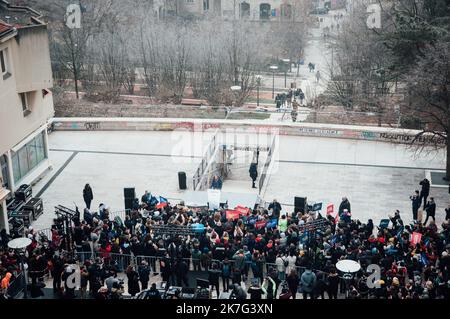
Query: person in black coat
447, 213
425, 191
416, 201
88, 196
133, 281
430, 208
293, 281
276, 208
253, 173
332, 284
144, 274
345, 204
213, 278
57, 271
182, 269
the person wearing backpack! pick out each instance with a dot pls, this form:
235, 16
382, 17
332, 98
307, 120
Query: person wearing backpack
281, 262
308, 282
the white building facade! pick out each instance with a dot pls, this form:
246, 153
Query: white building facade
254, 10
26, 103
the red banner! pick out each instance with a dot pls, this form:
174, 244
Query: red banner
161, 205
260, 224
243, 211
330, 209
416, 238
232, 214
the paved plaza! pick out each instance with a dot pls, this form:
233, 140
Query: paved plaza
376, 177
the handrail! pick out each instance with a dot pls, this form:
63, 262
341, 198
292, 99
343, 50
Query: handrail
192, 262
210, 151
262, 178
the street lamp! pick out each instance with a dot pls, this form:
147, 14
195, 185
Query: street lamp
286, 63
19, 244
273, 68
258, 84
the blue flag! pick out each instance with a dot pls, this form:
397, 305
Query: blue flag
424, 258
163, 200
272, 223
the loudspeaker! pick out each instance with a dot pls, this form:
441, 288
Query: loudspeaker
182, 180
129, 194
128, 203
300, 204
24, 193
34, 205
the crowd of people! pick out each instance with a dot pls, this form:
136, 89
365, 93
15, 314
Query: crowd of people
282, 259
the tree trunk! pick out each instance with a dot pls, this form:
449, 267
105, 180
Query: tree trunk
447, 169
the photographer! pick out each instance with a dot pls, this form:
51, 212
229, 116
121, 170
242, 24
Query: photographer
416, 201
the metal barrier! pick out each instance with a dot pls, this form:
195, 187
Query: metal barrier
263, 176
121, 213
45, 232
122, 261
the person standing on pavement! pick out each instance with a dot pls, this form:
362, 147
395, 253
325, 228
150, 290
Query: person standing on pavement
308, 283
213, 278
425, 191
281, 262
253, 173
293, 282
226, 274
301, 96
133, 281
430, 208
144, 274
275, 206
416, 201
447, 213
345, 204
88, 196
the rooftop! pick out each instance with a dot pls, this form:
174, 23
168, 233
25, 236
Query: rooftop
18, 16
5, 27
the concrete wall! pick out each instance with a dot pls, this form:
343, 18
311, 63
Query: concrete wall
29, 62
295, 129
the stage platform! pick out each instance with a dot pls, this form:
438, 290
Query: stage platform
200, 199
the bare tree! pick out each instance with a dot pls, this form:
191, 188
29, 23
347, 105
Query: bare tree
430, 89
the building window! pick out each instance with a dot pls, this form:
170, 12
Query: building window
4, 64
4, 171
28, 157
24, 99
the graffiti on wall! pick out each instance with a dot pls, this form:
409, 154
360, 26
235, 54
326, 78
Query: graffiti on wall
408, 138
92, 126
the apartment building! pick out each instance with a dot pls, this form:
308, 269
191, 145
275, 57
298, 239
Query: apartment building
26, 102
254, 10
